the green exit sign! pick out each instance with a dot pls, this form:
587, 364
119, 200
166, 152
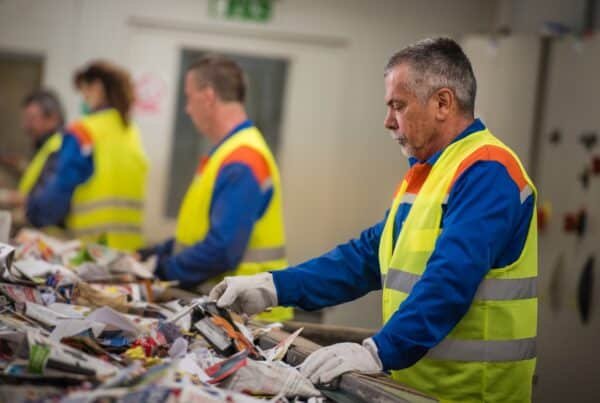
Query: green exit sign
247, 10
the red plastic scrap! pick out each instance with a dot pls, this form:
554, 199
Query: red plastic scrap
148, 344
227, 367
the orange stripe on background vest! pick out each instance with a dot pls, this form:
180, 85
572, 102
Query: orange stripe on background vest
201, 164
493, 153
253, 159
81, 133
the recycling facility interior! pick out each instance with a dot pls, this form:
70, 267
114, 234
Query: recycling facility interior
536, 63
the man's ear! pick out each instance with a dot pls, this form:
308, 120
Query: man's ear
209, 95
445, 101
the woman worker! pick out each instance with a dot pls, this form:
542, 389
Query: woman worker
98, 190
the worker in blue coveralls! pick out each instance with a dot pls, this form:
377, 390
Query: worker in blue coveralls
97, 190
231, 218
43, 118
455, 255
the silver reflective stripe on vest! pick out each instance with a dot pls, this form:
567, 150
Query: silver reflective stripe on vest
490, 289
484, 350
408, 198
263, 255
266, 185
104, 228
134, 204
525, 193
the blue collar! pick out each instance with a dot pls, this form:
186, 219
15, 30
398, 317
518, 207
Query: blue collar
244, 125
476, 126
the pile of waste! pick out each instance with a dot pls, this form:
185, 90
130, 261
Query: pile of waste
85, 323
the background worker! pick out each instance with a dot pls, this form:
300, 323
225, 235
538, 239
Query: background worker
99, 185
42, 121
456, 254
231, 219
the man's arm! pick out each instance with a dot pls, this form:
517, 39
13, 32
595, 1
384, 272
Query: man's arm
343, 274
484, 221
238, 201
49, 203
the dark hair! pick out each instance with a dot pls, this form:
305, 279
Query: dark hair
224, 75
48, 102
439, 63
116, 82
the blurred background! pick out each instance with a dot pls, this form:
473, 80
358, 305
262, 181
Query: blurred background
316, 90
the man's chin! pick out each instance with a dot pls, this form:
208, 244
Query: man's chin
405, 151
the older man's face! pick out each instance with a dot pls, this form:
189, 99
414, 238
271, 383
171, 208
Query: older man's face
410, 121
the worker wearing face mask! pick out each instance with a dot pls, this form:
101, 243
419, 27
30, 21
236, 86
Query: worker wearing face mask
99, 186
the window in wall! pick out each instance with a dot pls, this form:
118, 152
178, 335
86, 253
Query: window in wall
264, 104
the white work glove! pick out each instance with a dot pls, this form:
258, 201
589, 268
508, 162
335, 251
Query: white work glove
246, 294
327, 363
270, 378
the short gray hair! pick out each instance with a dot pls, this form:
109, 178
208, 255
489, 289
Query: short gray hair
438, 63
48, 102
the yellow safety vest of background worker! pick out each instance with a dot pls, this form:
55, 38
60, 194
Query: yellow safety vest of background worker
38, 162
42, 121
231, 220
99, 188
456, 255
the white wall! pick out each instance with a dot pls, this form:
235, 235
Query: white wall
568, 348
529, 16
507, 71
363, 167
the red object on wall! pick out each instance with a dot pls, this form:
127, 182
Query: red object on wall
570, 222
576, 222
596, 165
542, 218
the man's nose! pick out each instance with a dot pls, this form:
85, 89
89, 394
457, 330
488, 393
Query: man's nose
389, 122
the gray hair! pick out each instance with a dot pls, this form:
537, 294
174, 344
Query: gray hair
48, 102
438, 63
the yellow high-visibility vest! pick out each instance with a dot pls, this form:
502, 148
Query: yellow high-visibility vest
490, 355
266, 246
35, 167
108, 207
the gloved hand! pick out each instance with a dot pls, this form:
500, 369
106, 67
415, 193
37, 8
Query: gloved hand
143, 254
270, 378
327, 363
161, 249
246, 294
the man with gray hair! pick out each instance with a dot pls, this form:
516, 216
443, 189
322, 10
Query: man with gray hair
455, 255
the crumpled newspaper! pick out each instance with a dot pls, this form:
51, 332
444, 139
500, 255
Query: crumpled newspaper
270, 378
